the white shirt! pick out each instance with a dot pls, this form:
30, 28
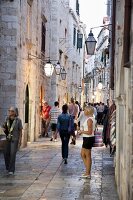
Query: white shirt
54, 113
85, 127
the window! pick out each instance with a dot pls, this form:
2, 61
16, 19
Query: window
77, 7
74, 36
29, 18
43, 37
65, 32
79, 40
127, 33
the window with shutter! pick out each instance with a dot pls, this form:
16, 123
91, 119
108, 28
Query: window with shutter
77, 7
127, 34
74, 36
43, 37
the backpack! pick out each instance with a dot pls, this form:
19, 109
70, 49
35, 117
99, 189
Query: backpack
71, 124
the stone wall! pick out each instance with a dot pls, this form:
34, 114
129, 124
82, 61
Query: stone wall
124, 103
20, 29
8, 55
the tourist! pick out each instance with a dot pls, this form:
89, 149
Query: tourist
87, 129
63, 126
54, 113
45, 118
13, 130
73, 111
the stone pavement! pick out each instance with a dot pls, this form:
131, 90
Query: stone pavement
41, 174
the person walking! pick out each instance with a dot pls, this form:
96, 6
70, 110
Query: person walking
87, 129
73, 111
100, 109
45, 118
63, 125
54, 113
13, 130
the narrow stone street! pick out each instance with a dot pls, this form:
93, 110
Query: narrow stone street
41, 174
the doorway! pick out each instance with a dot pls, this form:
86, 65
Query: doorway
27, 111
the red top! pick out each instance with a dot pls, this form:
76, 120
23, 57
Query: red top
45, 111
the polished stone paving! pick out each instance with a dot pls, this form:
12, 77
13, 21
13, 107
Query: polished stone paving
41, 174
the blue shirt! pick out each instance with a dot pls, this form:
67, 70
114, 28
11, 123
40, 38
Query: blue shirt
63, 122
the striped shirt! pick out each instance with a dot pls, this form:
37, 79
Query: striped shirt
54, 113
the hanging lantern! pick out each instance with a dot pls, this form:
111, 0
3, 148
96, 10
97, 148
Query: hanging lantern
58, 68
80, 89
100, 85
48, 68
63, 73
90, 44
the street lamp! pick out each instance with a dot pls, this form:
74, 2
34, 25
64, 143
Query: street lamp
90, 43
93, 97
80, 89
48, 68
58, 68
63, 73
100, 85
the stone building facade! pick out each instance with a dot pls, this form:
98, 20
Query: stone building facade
75, 54
101, 64
122, 26
97, 67
23, 82
31, 33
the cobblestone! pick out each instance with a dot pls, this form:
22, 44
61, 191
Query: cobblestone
41, 174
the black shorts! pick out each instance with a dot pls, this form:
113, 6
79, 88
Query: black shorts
88, 142
53, 127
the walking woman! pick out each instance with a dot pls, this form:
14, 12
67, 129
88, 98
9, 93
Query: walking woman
63, 126
87, 129
13, 130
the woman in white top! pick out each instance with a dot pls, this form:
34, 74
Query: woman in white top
87, 129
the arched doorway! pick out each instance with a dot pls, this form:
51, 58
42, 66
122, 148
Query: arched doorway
27, 111
41, 99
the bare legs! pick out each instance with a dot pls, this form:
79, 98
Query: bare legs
54, 135
86, 157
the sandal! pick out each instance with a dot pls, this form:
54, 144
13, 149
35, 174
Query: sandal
86, 176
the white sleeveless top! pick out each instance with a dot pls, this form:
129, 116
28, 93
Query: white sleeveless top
85, 127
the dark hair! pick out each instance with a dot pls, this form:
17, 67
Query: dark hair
72, 100
65, 108
56, 103
16, 110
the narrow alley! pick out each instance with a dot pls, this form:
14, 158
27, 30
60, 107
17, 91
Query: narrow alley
41, 174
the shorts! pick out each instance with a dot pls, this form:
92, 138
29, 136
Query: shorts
88, 142
53, 127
